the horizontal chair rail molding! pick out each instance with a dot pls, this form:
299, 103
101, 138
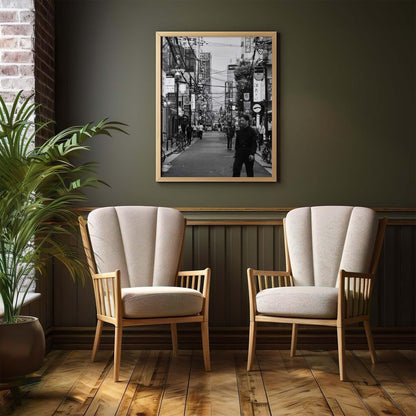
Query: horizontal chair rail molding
269, 215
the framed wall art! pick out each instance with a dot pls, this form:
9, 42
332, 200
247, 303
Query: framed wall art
216, 115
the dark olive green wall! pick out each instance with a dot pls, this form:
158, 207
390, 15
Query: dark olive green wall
346, 93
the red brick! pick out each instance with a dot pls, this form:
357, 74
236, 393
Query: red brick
26, 43
27, 16
8, 70
16, 4
8, 97
26, 70
8, 16
17, 57
17, 84
17, 30
8, 43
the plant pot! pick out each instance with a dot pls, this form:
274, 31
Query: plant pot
22, 348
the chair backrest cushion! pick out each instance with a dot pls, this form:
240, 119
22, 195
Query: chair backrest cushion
145, 243
323, 240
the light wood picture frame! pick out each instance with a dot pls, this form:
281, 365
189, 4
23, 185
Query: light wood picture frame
216, 106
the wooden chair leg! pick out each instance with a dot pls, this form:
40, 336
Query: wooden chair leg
117, 351
98, 330
174, 334
370, 341
341, 352
205, 345
251, 344
294, 340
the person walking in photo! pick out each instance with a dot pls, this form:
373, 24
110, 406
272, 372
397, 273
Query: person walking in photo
230, 134
245, 147
189, 134
200, 131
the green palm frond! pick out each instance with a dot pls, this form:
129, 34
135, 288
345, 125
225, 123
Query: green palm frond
39, 187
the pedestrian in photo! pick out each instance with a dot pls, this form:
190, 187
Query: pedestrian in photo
245, 147
183, 126
230, 135
200, 130
188, 134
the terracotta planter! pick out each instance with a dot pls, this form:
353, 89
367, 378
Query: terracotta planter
22, 348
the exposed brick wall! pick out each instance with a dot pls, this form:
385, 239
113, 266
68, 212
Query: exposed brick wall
45, 63
27, 54
17, 19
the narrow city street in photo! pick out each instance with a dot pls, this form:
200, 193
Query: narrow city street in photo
208, 156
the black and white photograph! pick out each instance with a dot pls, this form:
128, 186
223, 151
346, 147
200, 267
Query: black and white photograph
216, 107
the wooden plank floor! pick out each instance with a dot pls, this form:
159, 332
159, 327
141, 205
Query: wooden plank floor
155, 383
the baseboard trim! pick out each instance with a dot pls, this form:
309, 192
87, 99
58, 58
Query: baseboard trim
227, 338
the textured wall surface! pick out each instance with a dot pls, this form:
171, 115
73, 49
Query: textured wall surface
346, 97
17, 20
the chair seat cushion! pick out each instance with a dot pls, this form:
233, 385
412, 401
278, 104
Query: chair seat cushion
299, 301
160, 301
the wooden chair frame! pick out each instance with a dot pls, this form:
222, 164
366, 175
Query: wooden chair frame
353, 302
107, 292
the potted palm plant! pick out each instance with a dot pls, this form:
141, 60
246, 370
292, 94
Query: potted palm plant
39, 188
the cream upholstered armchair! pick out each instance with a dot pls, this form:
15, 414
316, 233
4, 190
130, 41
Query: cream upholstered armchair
332, 254
134, 254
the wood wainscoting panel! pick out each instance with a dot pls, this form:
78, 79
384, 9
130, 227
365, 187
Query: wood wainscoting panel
229, 251
393, 300
229, 241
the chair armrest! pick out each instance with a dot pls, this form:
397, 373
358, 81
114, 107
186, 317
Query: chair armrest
354, 293
259, 280
199, 280
195, 279
107, 292
266, 279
